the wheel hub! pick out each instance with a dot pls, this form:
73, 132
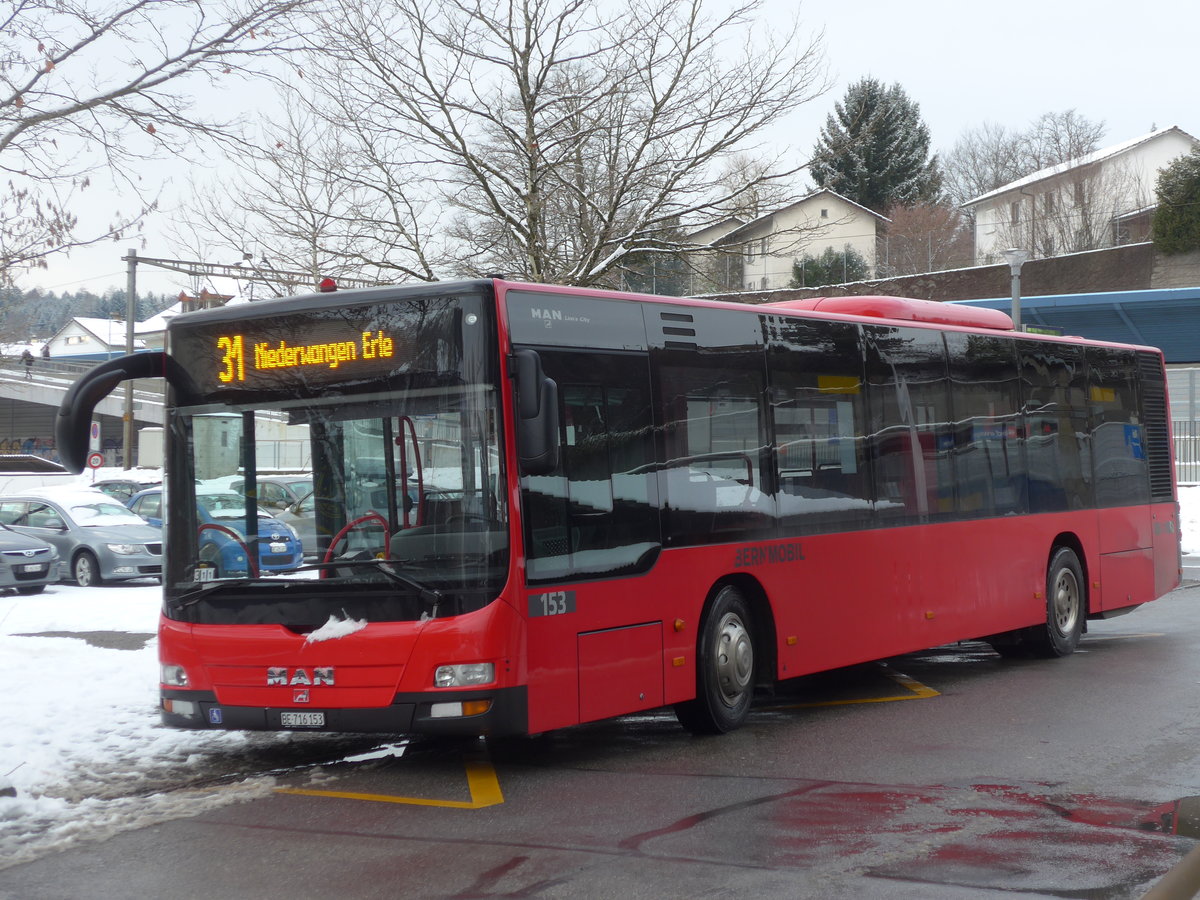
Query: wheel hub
734, 658
1065, 601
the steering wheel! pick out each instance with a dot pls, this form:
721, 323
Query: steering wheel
350, 526
251, 562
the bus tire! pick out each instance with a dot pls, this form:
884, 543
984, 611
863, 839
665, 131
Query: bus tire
724, 667
1066, 611
1066, 607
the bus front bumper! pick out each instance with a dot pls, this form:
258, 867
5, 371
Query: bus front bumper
497, 712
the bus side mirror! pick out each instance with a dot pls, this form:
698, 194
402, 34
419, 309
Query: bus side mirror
537, 415
72, 426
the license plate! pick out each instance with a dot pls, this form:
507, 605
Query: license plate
38, 568
279, 548
303, 719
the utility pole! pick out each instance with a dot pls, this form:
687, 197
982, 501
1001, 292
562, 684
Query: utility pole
130, 320
202, 270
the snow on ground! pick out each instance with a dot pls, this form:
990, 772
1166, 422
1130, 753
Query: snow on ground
82, 752
79, 728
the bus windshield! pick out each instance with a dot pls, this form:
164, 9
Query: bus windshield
394, 504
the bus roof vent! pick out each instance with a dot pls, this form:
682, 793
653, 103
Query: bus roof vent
905, 309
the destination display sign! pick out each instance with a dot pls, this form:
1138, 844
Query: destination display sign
266, 355
308, 351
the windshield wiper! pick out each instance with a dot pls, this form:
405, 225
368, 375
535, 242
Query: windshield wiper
196, 594
431, 596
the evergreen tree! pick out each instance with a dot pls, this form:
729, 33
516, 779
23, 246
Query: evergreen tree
1177, 219
831, 267
874, 149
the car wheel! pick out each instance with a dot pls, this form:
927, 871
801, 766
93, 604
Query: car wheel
31, 589
86, 570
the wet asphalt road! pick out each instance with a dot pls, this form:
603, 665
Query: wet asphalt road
947, 774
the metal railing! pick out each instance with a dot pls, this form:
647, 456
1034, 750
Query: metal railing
1186, 434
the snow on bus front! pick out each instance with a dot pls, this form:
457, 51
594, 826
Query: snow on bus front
351, 672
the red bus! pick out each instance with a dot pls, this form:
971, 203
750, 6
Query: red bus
536, 506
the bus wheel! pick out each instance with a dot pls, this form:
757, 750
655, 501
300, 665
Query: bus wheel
724, 668
1065, 611
1065, 614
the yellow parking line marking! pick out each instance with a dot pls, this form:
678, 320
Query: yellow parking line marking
481, 781
917, 691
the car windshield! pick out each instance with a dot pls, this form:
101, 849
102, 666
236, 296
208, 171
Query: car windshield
226, 505
96, 513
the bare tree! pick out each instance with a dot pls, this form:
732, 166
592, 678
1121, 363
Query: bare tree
87, 85
564, 135
744, 177
990, 156
1055, 138
927, 237
319, 198
982, 160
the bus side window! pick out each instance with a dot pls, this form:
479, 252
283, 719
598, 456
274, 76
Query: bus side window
1057, 447
912, 428
596, 514
989, 446
1117, 433
715, 463
818, 410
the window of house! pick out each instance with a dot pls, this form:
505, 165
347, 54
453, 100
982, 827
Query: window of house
824, 214
1014, 212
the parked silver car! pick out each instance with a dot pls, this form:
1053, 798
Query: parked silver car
99, 538
26, 563
278, 491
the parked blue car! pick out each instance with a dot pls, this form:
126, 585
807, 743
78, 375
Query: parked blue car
279, 548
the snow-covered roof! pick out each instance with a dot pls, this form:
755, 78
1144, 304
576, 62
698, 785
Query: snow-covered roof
767, 216
110, 332
1086, 160
717, 229
158, 322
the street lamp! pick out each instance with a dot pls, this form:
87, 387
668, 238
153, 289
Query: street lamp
1015, 259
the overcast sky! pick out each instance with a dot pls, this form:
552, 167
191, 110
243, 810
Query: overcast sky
1131, 65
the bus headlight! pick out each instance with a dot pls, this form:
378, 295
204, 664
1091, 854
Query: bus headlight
175, 676
464, 675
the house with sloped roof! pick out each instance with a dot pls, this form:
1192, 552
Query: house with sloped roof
85, 337
771, 243
1103, 199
